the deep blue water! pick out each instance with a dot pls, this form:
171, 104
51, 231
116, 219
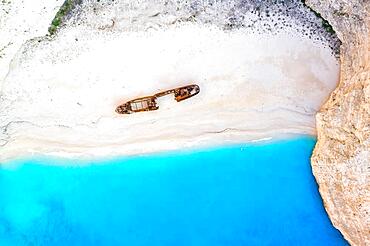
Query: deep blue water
260, 194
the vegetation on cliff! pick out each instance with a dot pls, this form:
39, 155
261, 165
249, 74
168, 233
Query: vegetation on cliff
62, 14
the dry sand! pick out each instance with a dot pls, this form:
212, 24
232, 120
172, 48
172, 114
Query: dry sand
60, 94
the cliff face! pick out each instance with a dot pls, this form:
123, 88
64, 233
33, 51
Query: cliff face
341, 159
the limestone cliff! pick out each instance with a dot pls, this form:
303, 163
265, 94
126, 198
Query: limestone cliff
341, 159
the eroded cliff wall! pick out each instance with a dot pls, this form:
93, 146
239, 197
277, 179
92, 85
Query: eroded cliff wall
341, 159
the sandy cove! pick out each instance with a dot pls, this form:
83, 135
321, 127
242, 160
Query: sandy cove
60, 94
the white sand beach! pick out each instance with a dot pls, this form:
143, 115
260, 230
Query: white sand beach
60, 93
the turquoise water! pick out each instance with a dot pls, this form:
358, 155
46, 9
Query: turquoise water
241, 195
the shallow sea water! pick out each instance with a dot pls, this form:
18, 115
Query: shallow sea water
261, 194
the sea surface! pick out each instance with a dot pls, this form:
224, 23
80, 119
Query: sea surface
261, 194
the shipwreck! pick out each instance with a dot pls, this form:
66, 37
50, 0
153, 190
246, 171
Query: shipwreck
149, 103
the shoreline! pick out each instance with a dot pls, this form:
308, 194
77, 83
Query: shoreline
83, 156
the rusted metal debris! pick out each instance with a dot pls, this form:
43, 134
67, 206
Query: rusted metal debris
149, 103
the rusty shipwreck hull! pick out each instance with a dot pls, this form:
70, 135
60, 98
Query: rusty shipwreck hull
149, 103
